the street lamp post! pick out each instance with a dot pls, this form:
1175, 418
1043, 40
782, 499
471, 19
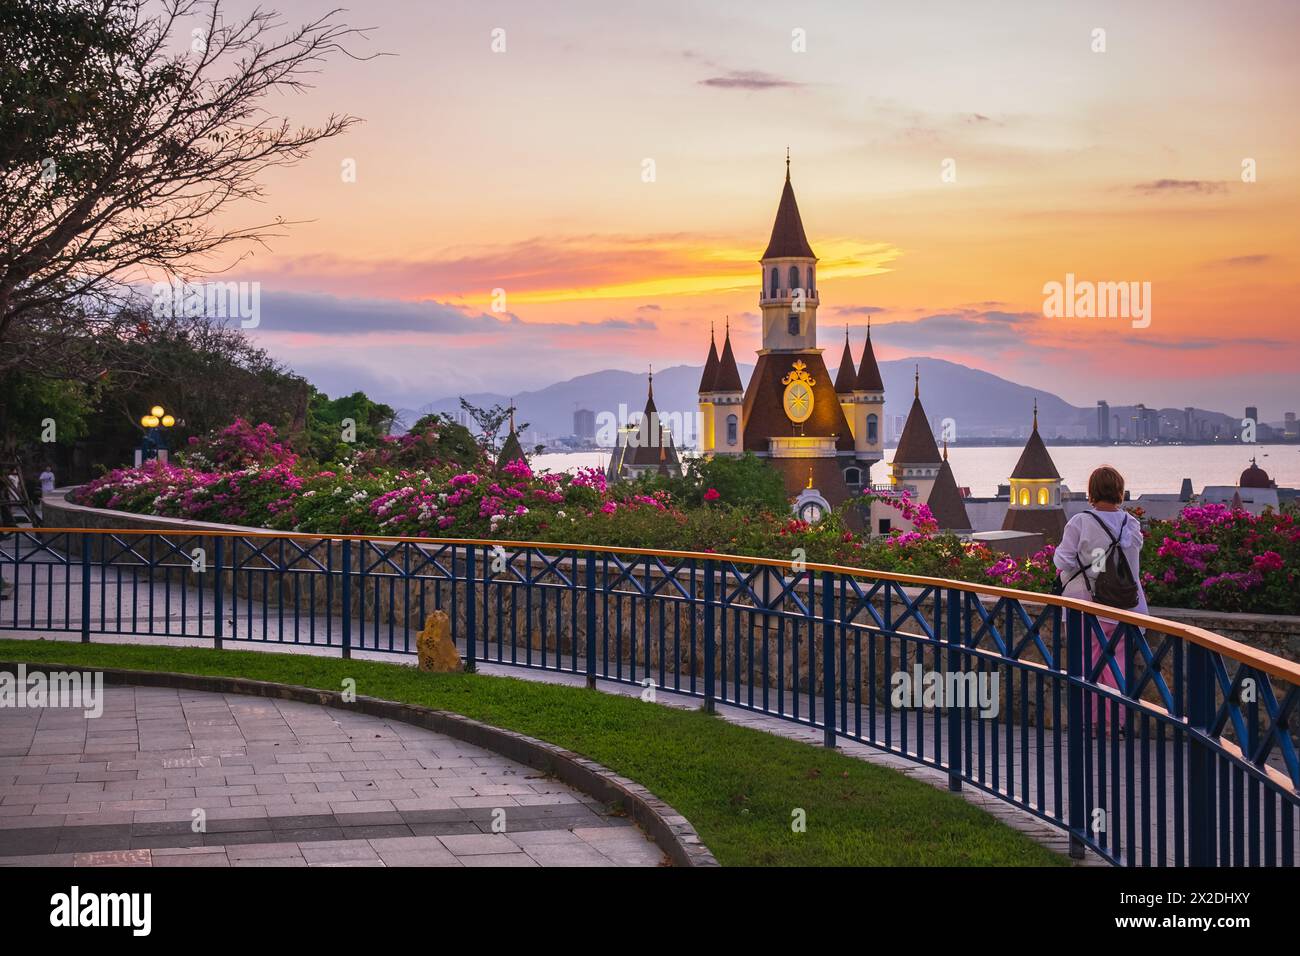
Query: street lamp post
154, 442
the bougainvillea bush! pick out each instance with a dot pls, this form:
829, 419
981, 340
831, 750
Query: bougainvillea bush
1210, 557
1215, 556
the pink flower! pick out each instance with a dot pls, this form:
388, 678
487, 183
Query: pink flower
1268, 561
712, 495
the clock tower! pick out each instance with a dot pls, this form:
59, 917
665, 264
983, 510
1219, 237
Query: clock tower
792, 413
793, 416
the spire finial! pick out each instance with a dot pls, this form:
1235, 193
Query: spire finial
712, 330
512, 415
1035, 414
728, 326
787, 164
846, 333
945, 449
651, 382
916, 388
868, 325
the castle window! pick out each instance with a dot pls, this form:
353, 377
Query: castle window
776, 281
1024, 496
733, 429
873, 424
884, 526
852, 476
1042, 496
811, 285
794, 277
792, 324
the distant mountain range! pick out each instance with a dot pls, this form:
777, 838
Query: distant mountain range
980, 403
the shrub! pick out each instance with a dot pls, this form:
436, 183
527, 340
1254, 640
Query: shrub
1215, 556
1210, 557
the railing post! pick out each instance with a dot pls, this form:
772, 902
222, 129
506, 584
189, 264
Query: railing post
954, 667
1200, 766
828, 659
1075, 736
347, 597
710, 637
471, 613
591, 619
218, 608
85, 588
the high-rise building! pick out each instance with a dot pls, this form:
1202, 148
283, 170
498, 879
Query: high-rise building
1290, 426
1252, 412
1187, 422
584, 423
1103, 420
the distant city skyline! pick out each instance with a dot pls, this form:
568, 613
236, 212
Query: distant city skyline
524, 171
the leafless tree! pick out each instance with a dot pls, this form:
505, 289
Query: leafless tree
126, 126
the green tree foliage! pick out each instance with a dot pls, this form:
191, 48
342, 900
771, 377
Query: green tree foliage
30, 402
206, 374
744, 481
490, 421
325, 429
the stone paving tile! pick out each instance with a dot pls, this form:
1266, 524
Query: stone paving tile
565, 854
281, 783
479, 843
499, 859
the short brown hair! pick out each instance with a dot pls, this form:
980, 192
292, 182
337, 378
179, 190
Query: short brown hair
1106, 484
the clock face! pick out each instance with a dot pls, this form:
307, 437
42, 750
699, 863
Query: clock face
798, 402
811, 512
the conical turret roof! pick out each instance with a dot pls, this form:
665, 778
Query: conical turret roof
916, 446
1035, 461
846, 378
728, 376
788, 238
710, 366
869, 379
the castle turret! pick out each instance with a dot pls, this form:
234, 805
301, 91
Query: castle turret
646, 447
707, 410
916, 461
1036, 504
917, 465
945, 501
788, 295
846, 383
869, 409
728, 399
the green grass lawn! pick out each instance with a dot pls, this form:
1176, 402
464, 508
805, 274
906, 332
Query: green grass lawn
738, 787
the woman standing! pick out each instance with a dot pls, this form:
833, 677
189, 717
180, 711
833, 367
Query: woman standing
1083, 554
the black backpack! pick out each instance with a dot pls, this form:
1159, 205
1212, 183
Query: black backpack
1115, 585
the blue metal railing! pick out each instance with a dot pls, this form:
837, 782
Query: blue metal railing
1148, 742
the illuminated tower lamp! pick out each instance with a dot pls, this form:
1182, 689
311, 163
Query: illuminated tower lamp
154, 442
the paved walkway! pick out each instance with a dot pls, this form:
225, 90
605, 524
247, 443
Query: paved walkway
170, 777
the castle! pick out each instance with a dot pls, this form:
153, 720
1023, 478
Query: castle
822, 436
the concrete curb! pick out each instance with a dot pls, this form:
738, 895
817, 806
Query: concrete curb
671, 831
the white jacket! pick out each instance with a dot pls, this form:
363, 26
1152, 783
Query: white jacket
1079, 544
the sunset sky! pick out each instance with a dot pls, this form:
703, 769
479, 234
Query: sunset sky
523, 171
